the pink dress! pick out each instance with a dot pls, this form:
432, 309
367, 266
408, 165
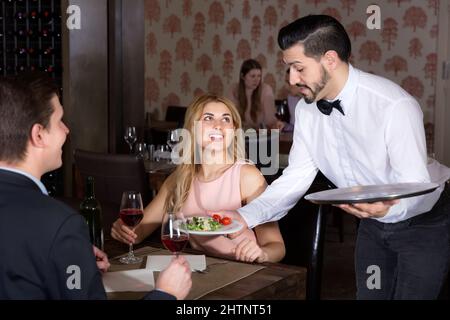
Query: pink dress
223, 193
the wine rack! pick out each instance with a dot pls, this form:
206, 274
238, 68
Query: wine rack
30, 39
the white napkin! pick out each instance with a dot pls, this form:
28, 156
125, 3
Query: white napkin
158, 263
129, 280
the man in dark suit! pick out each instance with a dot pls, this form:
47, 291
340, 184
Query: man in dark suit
44, 245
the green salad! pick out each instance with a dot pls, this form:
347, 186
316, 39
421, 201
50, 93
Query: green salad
202, 224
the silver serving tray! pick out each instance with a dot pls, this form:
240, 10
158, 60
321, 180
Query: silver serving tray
371, 193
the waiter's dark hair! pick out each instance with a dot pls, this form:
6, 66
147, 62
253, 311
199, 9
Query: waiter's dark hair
24, 101
318, 34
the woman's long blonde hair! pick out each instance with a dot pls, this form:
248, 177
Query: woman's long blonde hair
179, 183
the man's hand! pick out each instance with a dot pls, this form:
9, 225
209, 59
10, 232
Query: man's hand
176, 278
369, 210
234, 215
102, 259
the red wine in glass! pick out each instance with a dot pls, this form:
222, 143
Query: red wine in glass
131, 217
176, 243
131, 213
174, 234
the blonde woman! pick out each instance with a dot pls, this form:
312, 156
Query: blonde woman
214, 184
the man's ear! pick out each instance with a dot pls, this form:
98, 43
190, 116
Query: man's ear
37, 135
331, 59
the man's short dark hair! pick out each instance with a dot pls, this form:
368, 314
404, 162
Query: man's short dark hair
318, 34
24, 101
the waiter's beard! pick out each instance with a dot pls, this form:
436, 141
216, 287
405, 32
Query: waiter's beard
318, 87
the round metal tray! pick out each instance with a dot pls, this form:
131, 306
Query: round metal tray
371, 193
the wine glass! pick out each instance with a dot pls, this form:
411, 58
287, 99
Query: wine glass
131, 213
141, 150
161, 153
174, 233
281, 111
173, 138
130, 137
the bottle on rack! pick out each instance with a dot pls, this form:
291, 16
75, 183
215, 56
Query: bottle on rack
33, 15
91, 210
20, 16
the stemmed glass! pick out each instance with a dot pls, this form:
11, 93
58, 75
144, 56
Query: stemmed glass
130, 137
174, 233
173, 138
131, 213
161, 153
281, 111
141, 150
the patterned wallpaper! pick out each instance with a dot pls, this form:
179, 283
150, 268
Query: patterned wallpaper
194, 46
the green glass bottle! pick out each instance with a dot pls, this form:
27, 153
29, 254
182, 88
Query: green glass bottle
91, 210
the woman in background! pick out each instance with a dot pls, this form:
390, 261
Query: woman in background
222, 181
293, 97
254, 99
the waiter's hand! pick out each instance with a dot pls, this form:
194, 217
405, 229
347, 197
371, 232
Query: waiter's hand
234, 215
369, 210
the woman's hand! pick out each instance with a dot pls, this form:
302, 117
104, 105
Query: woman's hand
279, 125
122, 233
249, 251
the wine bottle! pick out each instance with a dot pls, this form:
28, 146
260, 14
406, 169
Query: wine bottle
21, 68
45, 33
33, 15
21, 33
20, 16
32, 51
47, 52
21, 51
91, 210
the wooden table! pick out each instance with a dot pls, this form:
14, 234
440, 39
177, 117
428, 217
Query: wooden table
275, 281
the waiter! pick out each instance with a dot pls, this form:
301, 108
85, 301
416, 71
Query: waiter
361, 129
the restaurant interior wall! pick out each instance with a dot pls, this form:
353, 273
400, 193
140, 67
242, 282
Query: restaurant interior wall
103, 78
197, 46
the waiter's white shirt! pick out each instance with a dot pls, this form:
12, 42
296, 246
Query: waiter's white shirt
380, 140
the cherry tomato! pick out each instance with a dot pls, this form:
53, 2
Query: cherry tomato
216, 217
225, 221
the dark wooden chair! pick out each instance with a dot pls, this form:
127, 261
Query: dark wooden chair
176, 114
263, 151
157, 134
113, 174
303, 230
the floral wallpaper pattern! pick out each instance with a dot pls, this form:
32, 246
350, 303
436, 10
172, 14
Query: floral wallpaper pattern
194, 46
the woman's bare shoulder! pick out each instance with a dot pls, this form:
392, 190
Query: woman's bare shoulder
250, 173
266, 89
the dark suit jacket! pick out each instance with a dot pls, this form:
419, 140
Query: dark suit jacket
45, 252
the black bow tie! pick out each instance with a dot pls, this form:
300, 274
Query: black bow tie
326, 107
